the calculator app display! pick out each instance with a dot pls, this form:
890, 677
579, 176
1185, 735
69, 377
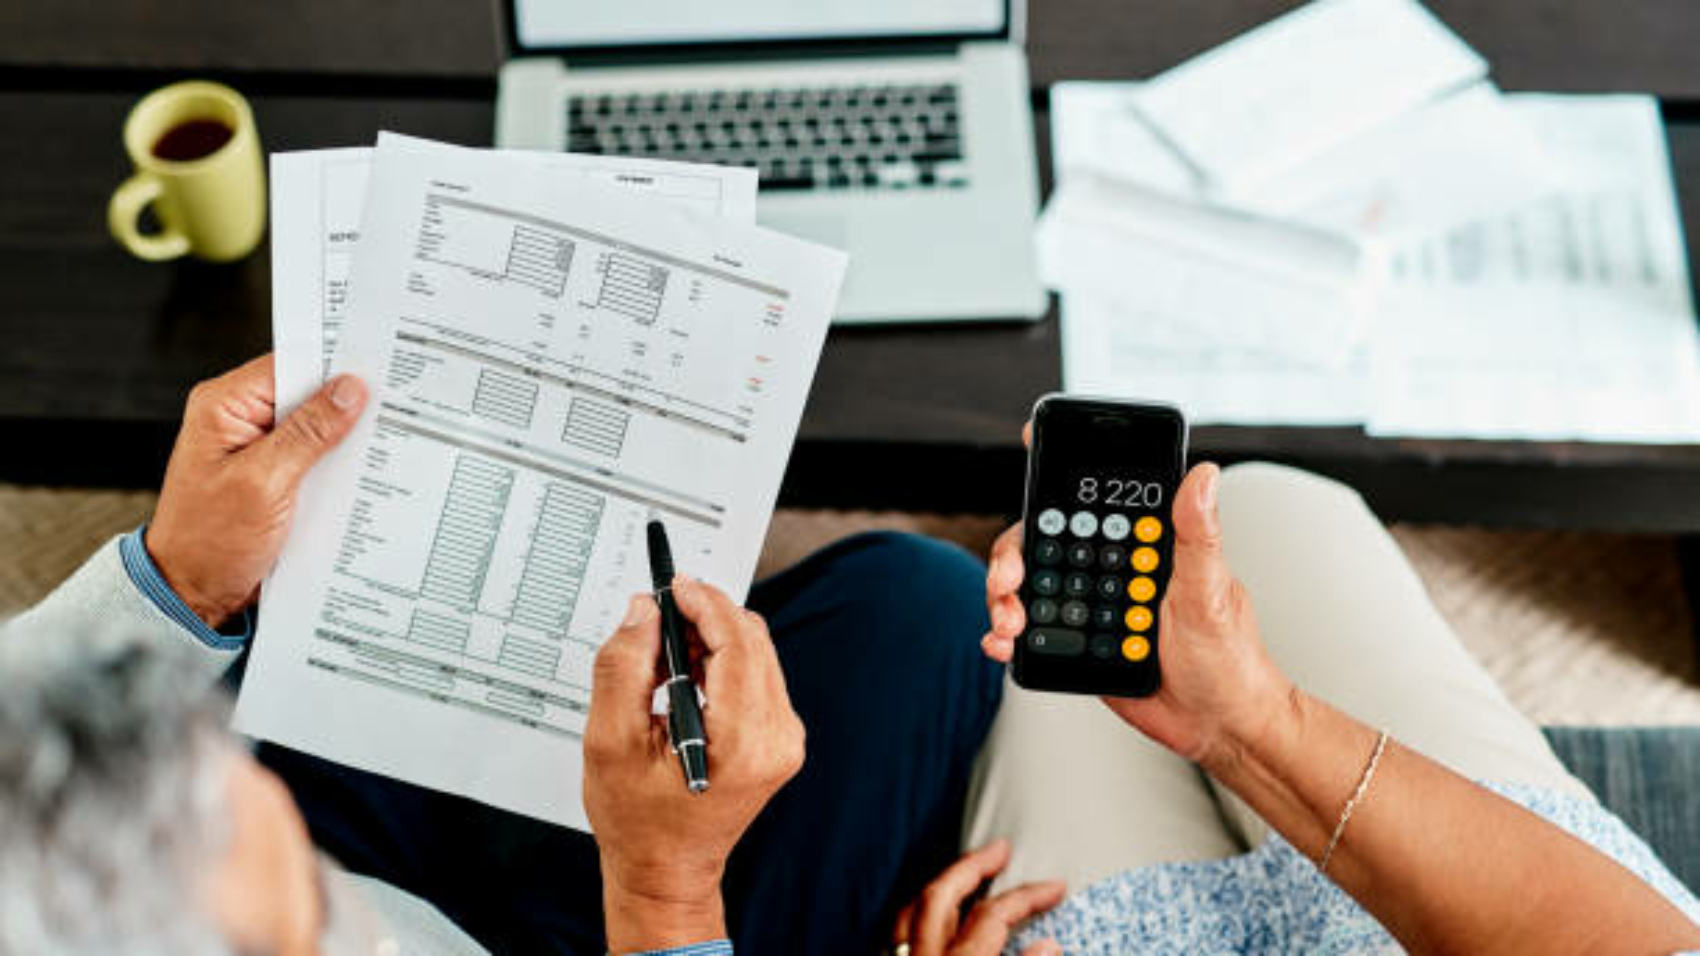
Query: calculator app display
1097, 545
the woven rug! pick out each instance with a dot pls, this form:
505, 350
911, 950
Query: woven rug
1578, 628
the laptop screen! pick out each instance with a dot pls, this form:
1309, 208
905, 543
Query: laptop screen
566, 24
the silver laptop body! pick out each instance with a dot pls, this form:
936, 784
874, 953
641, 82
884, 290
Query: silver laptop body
899, 131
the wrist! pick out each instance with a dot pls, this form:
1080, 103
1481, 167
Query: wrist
641, 921
162, 553
1260, 733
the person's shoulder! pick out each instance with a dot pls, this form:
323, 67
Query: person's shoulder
110, 596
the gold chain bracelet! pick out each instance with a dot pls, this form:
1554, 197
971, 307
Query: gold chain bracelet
1351, 804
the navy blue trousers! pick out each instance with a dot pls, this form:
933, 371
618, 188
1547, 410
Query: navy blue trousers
878, 638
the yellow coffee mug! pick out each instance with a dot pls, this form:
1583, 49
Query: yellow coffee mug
197, 158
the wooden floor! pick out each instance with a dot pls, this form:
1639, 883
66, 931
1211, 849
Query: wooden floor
1578, 628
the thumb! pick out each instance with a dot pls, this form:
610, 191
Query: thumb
1199, 565
317, 426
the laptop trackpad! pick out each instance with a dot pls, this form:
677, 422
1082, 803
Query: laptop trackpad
827, 230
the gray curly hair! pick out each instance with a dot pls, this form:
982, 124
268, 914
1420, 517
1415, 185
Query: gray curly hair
113, 766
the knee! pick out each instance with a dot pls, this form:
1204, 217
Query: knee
923, 596
1269, 487
913, 566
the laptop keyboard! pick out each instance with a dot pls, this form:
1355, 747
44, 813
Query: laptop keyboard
818, 138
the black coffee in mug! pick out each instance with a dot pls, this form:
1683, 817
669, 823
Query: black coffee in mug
192, 139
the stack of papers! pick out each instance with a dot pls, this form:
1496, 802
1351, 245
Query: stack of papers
1337, 219
559, 348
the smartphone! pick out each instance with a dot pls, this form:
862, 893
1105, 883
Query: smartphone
1097, 542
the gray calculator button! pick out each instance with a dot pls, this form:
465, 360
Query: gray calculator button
1084, 524
1043, 611
1056, 642
1103, 646
1046, 582
1080, 554
1051, 521
1075, 614
1104, 617
1116, 527
1077, 584
1109, 587
1112, 557
1048, 551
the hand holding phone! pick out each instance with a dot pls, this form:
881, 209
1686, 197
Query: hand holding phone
1098, 544
1217, 679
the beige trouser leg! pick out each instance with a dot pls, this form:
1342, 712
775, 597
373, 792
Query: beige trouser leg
1346, 618
1082, 796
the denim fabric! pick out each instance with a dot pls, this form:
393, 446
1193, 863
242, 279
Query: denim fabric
1649, 776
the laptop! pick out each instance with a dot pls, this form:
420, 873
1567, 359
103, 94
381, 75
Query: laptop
900, 131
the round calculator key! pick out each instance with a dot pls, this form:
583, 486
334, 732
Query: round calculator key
1052, 521
1084, 524
1148, 529
1138, 618
1136, 648
1102, 646
1115, 527
1046, 582
1075, 613
1104, 617
1142, 589
1144, 560
1109, 587
1077, 584
1112, 557
1042, 611
1081, 555
1048, 551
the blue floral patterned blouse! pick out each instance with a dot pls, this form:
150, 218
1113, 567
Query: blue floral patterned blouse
1273, 900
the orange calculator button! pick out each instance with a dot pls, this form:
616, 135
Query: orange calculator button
1148, 529
1142, 589
1138, 618
1136, 648
1144, 560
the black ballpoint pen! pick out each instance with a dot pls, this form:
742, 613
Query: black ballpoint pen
684, 712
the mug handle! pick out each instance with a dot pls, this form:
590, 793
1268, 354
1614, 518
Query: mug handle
126, 208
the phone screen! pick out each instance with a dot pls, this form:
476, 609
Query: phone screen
1097, 543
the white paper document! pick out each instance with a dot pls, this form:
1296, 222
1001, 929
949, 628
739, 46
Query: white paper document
1096, 130
1106, 352
1569, 318
1236, 318
1304, 82
1448, 161
1194, 277
317, 200
552, 362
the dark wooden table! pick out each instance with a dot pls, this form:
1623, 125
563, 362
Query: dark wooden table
99, 349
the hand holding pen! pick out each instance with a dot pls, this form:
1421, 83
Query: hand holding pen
658, 840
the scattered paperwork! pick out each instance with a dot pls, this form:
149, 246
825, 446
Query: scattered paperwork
1204, 272
1291, 88
1567, 317
1486, 265
554, 356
